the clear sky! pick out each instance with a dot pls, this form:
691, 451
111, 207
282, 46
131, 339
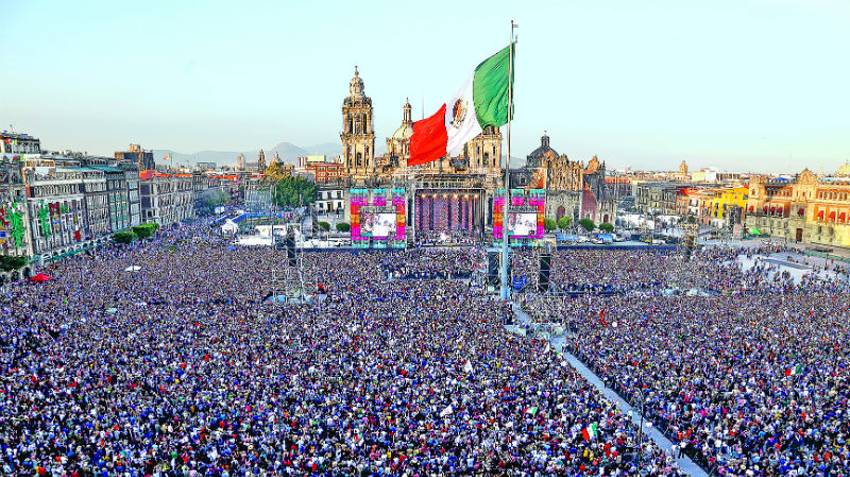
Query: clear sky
738, 84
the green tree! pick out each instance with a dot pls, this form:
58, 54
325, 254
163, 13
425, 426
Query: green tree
343, 227
606, 227
9, 262
324, 225
145, 230
124, 236
209, 199
564, 222
549, 224
587, 224
293, 192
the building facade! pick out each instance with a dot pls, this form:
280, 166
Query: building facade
166, 198
16, 144
136, 154
14, 213
807, 208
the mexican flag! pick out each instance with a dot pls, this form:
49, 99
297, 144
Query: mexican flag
794, 371
589, 432
482, 101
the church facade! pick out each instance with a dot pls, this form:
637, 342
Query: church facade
573, 189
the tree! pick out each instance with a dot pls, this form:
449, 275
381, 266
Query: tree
549, 224
564, 222
606, 227
293, 192
587, 224
145, 230
9, 262
209, 199
324, 225
276, 171
125, 237
343, 227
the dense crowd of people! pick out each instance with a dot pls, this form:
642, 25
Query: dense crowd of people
180, 368
751, 380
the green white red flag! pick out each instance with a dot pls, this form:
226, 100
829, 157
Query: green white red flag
482, 101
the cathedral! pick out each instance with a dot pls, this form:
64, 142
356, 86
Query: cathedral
454, 195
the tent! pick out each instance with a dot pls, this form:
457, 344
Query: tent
133, 268
40, 278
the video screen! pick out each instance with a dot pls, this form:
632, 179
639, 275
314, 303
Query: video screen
377, 223
522, 224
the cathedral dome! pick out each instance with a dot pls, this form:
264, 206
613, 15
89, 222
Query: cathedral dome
403, 132
536, 156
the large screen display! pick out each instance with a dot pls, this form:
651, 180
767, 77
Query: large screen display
522, 224
524, 218
378, 218
377, 222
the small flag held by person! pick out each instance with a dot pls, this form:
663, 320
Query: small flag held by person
794, 371
589, 432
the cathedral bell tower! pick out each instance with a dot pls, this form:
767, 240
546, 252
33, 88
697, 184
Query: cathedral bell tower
358, 133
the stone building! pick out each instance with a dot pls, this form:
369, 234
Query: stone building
117, 198
14, 216
573, 189
143, 159
17, 143
56, 209
358, 133
166, 198
96, 204
807, 208
261, 161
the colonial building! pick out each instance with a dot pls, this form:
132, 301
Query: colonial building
117, 198
166, 198
56, 209
96, 204
572, 189
14, 216
16, 143
325, 172
330, 199
804, 209
143, 159
358, 133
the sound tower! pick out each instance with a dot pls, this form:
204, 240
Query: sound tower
289, 243
543, 274
492, 269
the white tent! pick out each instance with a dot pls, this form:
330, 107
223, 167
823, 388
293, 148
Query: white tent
133, 268
229, 227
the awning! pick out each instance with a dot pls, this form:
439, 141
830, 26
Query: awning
40, 278
755, 232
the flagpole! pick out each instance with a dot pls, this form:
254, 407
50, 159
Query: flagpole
505, 286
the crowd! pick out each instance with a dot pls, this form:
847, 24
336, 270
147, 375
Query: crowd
179, 368
751, 380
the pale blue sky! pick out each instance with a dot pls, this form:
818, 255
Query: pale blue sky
738, 84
